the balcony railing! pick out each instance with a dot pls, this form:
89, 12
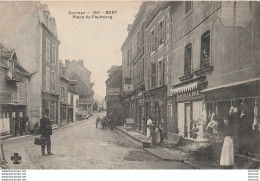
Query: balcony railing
204, 62
187, 70
85, 101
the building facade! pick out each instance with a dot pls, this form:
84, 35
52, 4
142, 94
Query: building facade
215, 68
14, 90
31, 24
113, 94
77, 71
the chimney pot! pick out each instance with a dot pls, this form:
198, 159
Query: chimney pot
80, 62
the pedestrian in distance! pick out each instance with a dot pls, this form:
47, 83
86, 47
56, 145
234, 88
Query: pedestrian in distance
46, 132
36, 128
97, 121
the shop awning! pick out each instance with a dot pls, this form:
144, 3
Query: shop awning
185, 88
231, 84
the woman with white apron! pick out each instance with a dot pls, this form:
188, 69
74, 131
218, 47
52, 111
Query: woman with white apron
227, 153
148, 129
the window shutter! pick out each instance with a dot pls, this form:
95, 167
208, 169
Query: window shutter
153, 74
163, 31
156, 36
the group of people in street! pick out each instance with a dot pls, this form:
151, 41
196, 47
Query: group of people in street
154, 131
20, 125
106, 121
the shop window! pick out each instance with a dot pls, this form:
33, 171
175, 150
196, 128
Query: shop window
187, 59
188, 7
205, 49
153, 74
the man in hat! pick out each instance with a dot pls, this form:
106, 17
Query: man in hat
46, 132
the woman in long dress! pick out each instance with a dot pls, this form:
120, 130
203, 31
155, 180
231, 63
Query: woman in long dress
227, 153
148, 128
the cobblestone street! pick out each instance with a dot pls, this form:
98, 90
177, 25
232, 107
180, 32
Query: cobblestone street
82, 146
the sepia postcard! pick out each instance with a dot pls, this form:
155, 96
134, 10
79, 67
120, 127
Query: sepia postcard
129, 85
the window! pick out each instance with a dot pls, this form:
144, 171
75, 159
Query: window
62, 93
53, 55
152, 36
53, 86
48, 79
153, 74
187, 59
128, 57
161, 73
71, 99
161, 32
48, 50
188, 7
205, 49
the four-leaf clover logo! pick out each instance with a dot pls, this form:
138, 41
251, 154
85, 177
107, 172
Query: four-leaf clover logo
16, 158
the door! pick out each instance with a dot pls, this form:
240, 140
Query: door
187, 120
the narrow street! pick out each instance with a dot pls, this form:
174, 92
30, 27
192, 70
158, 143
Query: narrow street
82, 146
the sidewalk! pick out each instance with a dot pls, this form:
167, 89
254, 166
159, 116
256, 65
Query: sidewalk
157, 151
55, 128
168, 153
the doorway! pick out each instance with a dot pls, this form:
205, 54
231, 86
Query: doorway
187, 120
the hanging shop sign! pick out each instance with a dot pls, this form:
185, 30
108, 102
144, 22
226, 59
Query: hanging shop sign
113, 91
128, 87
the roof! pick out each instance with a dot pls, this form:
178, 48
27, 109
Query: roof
79, 65
9, 54
113, 68
73, 76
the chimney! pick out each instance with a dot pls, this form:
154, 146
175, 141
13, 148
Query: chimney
67, 61
81, 62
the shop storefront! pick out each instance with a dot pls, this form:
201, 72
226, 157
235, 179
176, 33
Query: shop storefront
11, 119
156, 107
49, 101
191, 110
63, 114
239, 104
70, 114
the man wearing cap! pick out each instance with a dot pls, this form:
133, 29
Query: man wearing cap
46, 132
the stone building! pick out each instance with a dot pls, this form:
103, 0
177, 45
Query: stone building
77, 71
14, 88
215, 73
133, 69
66, 116
113, 93
29, 28
146, 56
158, 46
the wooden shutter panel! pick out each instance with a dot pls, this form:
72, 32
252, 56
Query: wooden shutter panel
163, 31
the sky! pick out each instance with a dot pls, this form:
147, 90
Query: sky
96, 41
